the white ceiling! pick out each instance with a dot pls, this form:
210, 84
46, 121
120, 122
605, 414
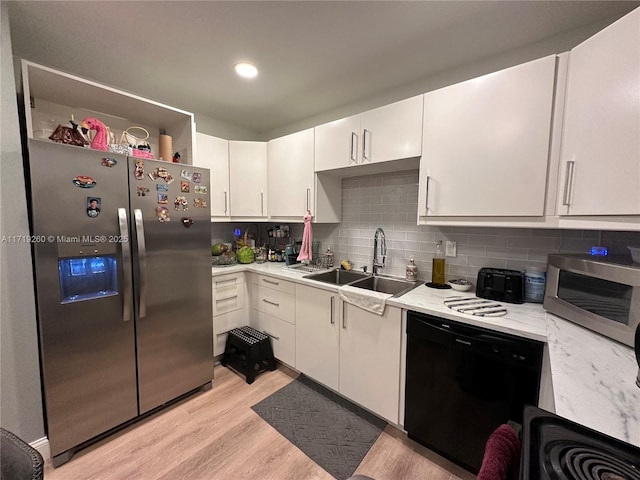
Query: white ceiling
313, 56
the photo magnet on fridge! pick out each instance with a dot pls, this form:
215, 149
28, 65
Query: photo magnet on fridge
93, 206
163, 214
139, 172
197, 177
186, 174
184, 186
142, 191
162, 187
163, 198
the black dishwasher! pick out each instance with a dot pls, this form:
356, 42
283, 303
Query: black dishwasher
463, 382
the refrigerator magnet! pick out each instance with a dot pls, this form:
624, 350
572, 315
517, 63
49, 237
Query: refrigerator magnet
181, 201
139, 171
186, 174
199, 203
143, 191
184, 186
163, 198
163, 214
162, 187
83, 181
200, 189
197, 177
93, 206
154, 175
109, 162
187, 221
162, 172
168, 179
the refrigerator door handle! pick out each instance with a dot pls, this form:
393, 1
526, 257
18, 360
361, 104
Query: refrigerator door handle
126, 265
142, 262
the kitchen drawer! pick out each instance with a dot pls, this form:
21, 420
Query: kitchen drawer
276, 303
222, 324
231, 280
229, 293
276, 284
283, 337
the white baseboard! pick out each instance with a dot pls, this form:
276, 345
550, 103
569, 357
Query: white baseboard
42, 446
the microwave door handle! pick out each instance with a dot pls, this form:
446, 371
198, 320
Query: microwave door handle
142, 262
126, 265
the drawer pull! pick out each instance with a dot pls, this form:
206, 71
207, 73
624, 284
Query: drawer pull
272, 336
226, 298
270, 302
223, 333
219, 282
270, 281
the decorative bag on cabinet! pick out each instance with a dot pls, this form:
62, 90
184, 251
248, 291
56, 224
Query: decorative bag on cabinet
68, 135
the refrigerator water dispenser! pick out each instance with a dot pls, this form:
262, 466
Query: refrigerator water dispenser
86, 278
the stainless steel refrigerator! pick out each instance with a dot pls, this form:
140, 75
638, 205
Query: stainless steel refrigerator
123, 282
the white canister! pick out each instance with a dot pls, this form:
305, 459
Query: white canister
534, 284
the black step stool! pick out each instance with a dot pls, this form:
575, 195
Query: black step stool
249, 352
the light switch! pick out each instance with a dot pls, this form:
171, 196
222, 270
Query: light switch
450, 249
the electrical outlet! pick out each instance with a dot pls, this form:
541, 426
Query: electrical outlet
450, 249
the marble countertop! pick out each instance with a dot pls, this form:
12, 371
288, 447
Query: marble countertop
593, 377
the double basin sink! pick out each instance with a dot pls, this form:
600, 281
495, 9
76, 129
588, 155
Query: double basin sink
376, 283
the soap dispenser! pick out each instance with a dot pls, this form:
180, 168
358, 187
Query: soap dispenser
411, 274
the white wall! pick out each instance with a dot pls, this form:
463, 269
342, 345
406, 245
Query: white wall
508, 58
21, 408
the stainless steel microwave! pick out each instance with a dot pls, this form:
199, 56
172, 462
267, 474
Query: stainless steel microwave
601, 293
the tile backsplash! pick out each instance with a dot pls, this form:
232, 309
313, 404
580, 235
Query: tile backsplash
390, 201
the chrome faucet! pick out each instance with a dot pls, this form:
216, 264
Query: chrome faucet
377, 264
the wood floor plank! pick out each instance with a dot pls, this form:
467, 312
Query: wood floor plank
214, 435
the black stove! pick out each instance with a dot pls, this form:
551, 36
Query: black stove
555, 448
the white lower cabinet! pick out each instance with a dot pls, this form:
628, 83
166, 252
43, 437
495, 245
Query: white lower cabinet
273, 312
283, 336
229, 307
350, 350
318, 335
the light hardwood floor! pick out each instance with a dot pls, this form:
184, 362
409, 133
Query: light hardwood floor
214, 435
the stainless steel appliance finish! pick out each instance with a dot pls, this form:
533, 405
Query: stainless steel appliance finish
599, 293
114, 351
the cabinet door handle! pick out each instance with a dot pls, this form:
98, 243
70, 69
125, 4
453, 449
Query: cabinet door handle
270, 281
225, 202
426, 202
308, 198
272, 336
353, 151
365, 155
333, 320
219, 282
226, 298
261, 203
223, 333
270, 302
568, 183
344, 317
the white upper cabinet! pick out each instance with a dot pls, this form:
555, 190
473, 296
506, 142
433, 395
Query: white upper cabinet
248, 180
290, 175
387, 133
600, 161
486, 144
213, 153
294, 187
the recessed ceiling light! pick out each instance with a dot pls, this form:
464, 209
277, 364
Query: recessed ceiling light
246, 70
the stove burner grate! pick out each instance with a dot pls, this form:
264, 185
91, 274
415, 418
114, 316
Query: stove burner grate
575, 461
